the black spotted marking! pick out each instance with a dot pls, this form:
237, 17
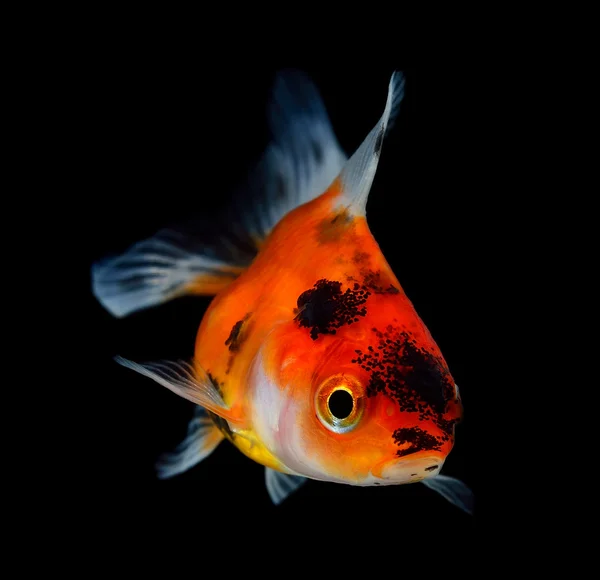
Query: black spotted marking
221, 423
372, 280
332, 229
234, 341
417, 439
431, 468
379, 142
324, 308
343, 217
216, 383
416, 379
360, 257
233, 336
237, 336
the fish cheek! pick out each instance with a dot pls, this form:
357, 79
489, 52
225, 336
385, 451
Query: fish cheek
416, 380
295, 441
348, 456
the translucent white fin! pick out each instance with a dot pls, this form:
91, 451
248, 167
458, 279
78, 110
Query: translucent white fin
160, 268
280, 485
186, 381
300, 163
454, 490
358, 173
202, 439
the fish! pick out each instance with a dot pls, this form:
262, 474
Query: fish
310, 358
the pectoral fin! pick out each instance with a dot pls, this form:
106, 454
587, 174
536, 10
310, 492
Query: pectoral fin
187, 381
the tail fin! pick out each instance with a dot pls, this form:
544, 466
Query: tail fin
161, 268
299, 164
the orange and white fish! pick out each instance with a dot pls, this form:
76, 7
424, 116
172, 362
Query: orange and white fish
310, 359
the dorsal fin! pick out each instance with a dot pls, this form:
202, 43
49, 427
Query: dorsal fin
357, 175
299, 164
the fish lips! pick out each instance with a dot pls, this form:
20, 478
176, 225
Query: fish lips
407, 469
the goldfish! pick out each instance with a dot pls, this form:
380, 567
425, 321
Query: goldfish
310, 358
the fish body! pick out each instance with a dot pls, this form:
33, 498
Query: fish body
310, 359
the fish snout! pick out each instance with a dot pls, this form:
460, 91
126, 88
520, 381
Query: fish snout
408, 469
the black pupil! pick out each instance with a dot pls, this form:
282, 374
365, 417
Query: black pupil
340, 404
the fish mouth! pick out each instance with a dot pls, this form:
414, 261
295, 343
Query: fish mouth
407, 469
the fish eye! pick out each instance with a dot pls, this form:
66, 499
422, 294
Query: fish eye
340, 403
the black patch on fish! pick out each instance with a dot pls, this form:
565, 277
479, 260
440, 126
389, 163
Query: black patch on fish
233, 336
331, 230
217, 384
234, 342
238, 334
373, 281
325, 308
342, 217
416, 379
222, 424
379, 142
360, 257
431, 467
417, 439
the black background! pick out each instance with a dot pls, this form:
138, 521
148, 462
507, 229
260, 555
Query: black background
162, 138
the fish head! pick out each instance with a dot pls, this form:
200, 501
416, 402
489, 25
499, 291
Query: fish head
353, 389
374, 404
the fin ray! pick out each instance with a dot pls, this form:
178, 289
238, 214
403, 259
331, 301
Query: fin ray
281, 485
358, 173
202, 438
161, 268
187, 381
452, 489
299, 164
